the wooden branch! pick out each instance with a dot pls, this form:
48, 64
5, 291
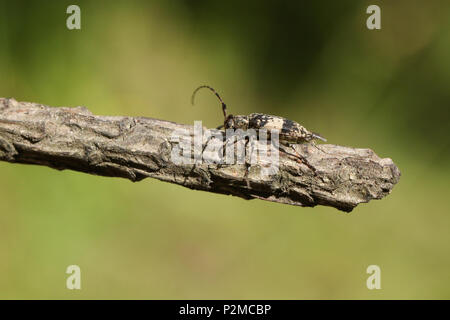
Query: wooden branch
137, 148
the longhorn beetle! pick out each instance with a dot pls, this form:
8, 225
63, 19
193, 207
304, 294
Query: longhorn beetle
290, 132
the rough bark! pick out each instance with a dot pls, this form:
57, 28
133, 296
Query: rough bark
137, 148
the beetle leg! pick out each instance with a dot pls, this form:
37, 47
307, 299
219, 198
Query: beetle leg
247, 164
299, 158
195, 164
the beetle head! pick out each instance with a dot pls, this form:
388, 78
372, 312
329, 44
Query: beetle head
229, 122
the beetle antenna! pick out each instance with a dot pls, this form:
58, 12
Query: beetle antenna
224, 106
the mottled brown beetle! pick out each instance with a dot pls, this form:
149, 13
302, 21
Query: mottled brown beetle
290, 132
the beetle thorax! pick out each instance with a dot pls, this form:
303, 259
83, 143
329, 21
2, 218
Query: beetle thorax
236, 122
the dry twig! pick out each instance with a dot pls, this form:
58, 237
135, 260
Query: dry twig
137, 148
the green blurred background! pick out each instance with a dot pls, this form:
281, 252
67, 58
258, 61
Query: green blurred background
310, 61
